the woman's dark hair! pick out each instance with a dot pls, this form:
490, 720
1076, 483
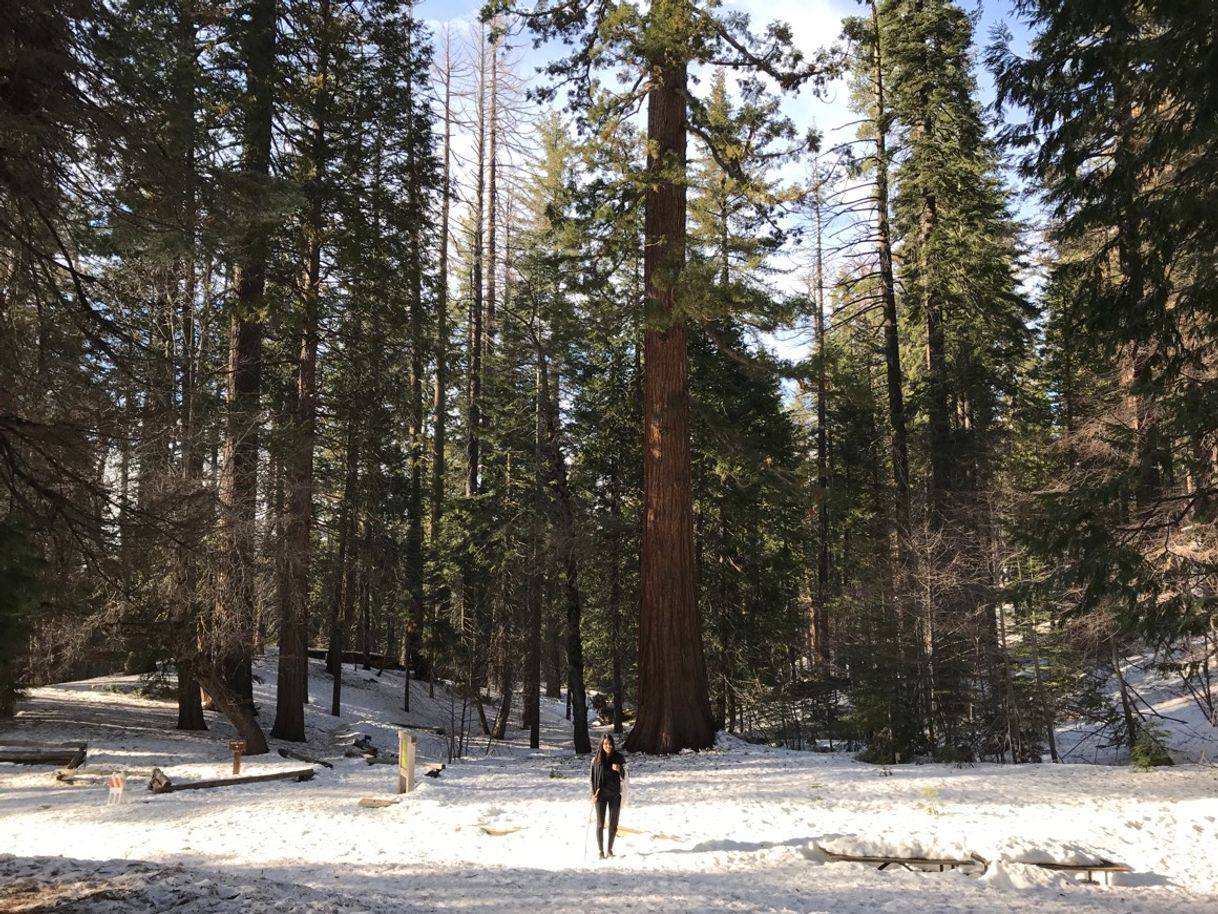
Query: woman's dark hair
600, 747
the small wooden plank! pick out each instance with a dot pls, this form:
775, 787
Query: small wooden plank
494, 830
627, 830
376, 803
164, 785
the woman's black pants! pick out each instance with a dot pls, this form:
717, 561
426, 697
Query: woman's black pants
614, 805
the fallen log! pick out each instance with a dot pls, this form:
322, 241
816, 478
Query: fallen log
438, 731
357, 658
35, 744
65, 757
160, 783
301, 757
97, 776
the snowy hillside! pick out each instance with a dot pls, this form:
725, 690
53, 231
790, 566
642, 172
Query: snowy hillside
1181, 716
740, 828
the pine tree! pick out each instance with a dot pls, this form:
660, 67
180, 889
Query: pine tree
318, 122
231, 686
19, 585
747, 473
872, 72
1121, 147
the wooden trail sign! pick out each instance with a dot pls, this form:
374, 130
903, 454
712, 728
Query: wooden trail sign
406, 750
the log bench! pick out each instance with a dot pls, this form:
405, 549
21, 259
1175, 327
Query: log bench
883, 861
1101, 866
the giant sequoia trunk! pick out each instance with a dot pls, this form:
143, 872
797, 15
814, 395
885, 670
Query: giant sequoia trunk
674, 707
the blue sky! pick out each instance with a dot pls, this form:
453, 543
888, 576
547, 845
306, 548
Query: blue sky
815, 23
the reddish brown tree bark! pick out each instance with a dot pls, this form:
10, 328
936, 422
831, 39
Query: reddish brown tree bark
674, 705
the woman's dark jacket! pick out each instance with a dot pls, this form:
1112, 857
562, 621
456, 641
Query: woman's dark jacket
605, 781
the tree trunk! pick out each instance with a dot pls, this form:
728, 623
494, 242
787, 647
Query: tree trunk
674, 706
473, 441
414, 431
936, 362
532, 673
364, 590
1127, 710
892, 340
615, 602
507, 684
234, 707
1042, 698
492, 188
239, 478
820, 616
552, 656
190, 702
565, 538
440, 399
342, 574
292, 688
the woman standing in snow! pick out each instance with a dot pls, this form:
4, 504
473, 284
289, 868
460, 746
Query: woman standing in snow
608, 771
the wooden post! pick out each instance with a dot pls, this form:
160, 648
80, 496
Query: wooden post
406, 747
238, 747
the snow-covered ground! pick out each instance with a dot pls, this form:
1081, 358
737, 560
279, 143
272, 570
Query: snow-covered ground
733, 829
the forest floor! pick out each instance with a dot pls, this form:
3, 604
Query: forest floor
735, 829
